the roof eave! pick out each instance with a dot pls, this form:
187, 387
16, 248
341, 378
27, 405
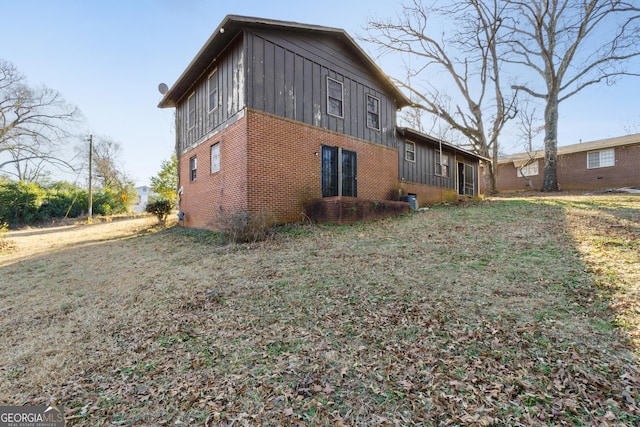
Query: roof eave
408, 131
228, 29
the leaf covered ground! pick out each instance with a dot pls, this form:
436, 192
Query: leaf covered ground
516, 311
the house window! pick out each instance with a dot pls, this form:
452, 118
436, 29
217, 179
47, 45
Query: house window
601, 159
339, 172
191, 107
215, 157
193, 168
373, 112
334, 97
528, 169
442, 164
212, 85
410, 151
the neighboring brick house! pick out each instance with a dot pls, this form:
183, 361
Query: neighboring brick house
605, 164
271, 115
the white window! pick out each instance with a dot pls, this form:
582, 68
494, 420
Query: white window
373, 112
529, 169
410, 151
601, 159
191, 111
215, 157
212, 86
334, 97
442, 164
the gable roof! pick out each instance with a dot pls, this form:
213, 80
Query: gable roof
416, 136
232, 25
600, 144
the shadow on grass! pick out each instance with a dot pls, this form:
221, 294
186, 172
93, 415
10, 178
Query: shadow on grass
474, 314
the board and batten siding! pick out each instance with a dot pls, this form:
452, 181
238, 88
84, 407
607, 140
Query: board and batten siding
285, 73
230, 74
288, 74
423, 169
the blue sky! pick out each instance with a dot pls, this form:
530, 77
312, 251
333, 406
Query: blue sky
108, 57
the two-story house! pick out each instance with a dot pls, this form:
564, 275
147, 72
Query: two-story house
271, 115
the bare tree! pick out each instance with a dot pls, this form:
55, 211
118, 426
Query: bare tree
106, 162
33, 122
468, 55
570, 45
630, 128
529, 125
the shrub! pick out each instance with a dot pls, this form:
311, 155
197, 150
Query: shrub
108, 202
161, 209
20, 201
244, 227
4, 229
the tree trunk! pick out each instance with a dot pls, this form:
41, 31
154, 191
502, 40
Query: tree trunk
490, 180
492, 171
550, 182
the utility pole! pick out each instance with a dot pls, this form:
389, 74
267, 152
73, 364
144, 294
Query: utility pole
90, 176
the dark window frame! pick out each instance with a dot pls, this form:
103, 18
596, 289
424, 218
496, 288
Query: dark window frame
338, 103
339, 172
373, 115
193, 168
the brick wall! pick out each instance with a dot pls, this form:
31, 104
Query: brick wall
347, 210
272, 164
574, 175
508, 180
203, 198
284, 165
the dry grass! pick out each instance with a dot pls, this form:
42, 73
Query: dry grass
499, 312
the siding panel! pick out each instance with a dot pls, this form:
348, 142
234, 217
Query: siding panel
231, 90
257, 88
423, 170
298, 66
299, 89
278, 80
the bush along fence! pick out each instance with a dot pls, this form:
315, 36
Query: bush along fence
28, 203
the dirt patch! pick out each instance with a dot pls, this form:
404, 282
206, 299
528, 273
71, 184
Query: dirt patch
29, 241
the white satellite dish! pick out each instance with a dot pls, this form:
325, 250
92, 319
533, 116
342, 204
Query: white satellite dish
163, 88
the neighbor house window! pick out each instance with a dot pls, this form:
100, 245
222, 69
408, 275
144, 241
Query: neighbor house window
373, 112
530, 169
334, 97
601, 159
442, 164
410, 151
215, 157
212, 85
193, 168
191, 107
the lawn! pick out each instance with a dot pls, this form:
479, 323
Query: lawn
507, 311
